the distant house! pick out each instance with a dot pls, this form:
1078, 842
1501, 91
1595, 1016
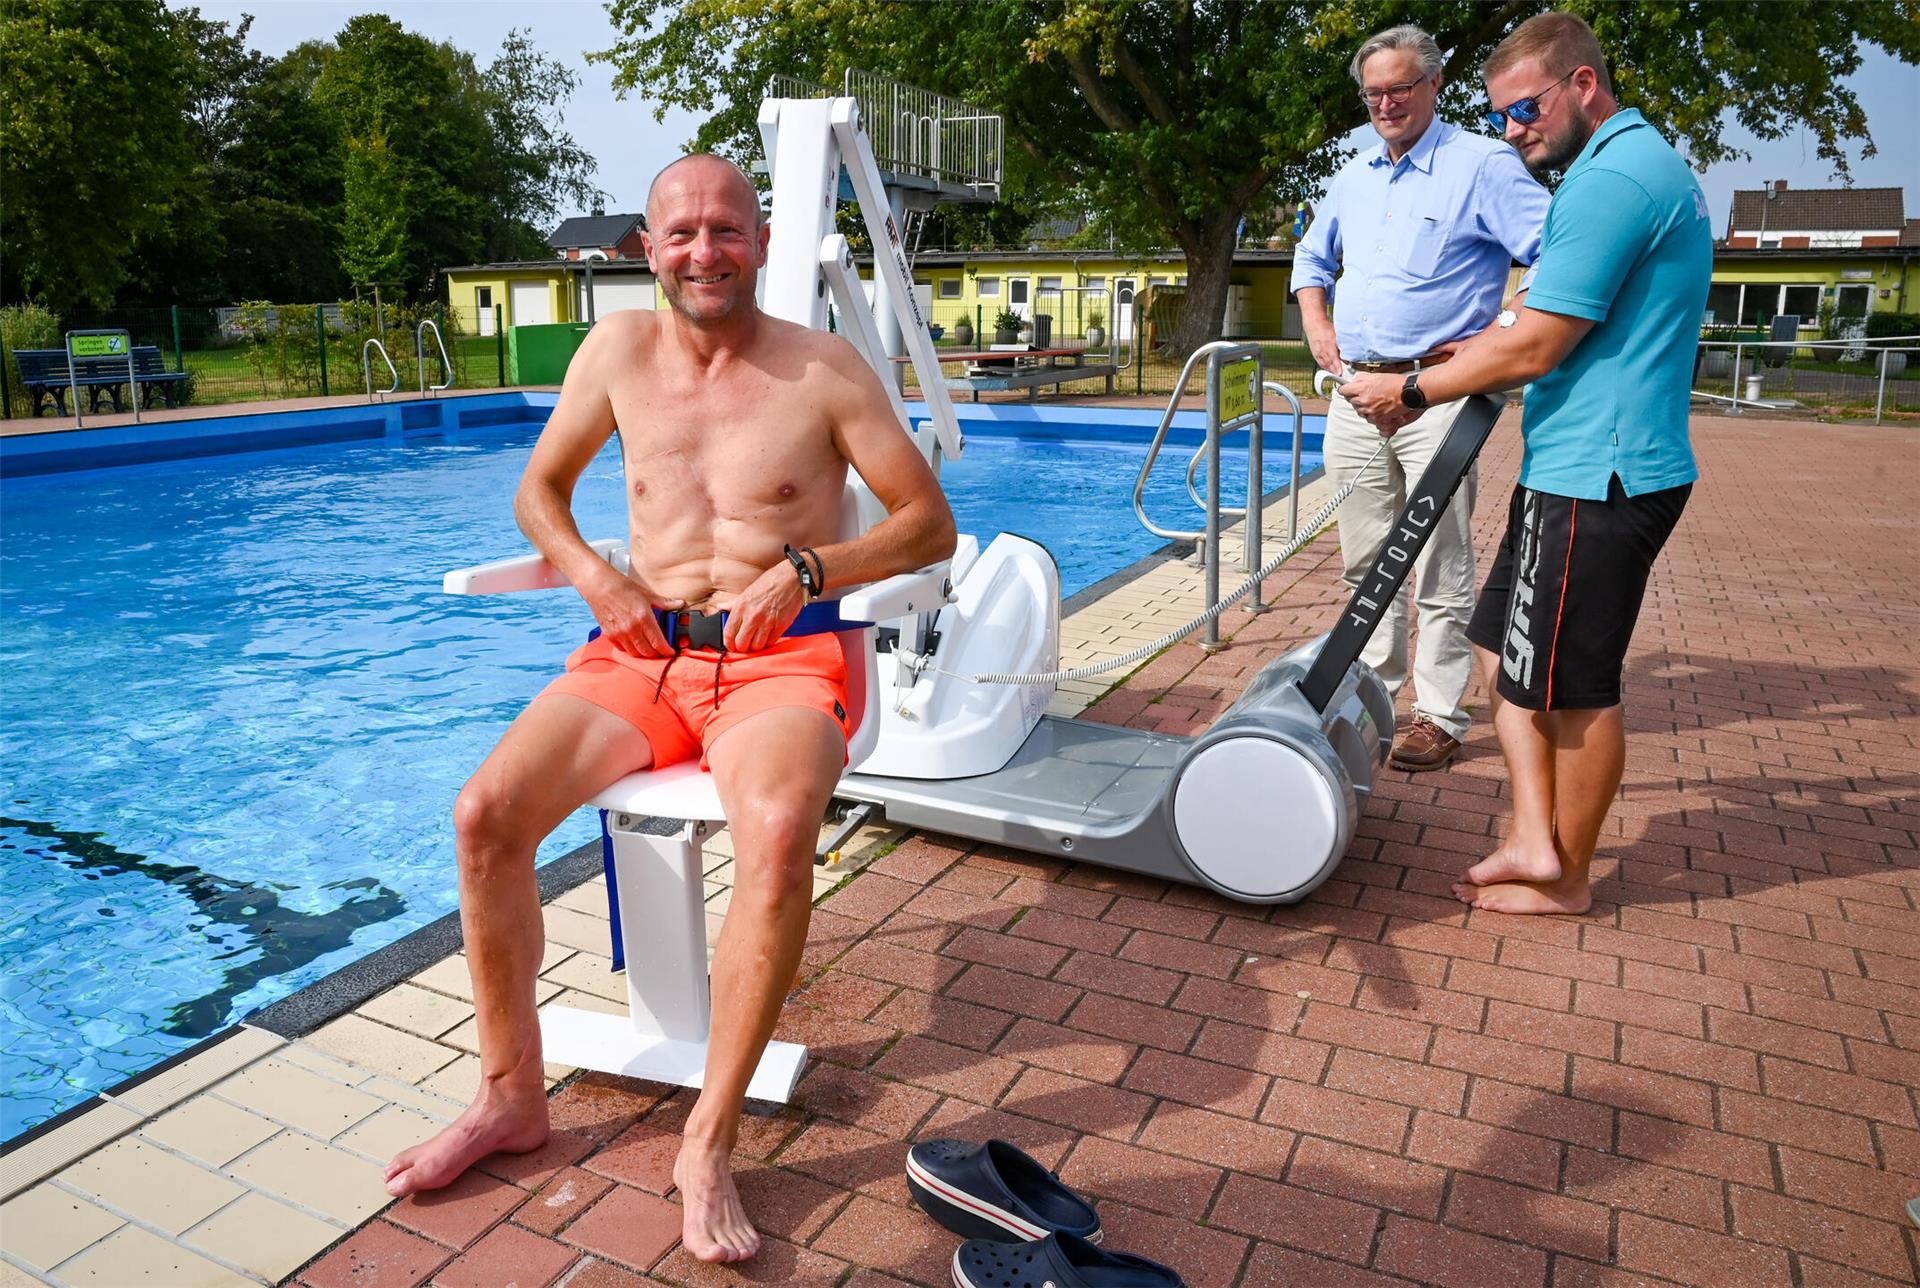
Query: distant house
598, 266
599, 235
1789, 251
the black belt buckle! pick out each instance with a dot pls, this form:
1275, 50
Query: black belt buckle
695, 630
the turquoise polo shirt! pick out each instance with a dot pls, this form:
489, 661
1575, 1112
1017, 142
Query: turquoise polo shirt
1627, 246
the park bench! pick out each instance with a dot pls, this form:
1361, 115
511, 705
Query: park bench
44, 373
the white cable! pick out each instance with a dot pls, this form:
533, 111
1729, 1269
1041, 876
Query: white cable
1320, 519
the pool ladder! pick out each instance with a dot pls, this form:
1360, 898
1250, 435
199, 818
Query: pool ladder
1217, 354
420, 351
371, 347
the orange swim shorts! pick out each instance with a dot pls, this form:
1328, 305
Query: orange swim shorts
684, 702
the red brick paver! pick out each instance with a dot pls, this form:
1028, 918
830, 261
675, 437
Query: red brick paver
1709, 1079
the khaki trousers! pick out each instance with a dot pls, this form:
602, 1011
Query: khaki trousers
1442, 582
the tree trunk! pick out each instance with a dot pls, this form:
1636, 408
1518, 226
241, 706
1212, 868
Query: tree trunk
1209, 250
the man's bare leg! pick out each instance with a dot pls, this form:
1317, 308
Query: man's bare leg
775, 773
1590, 752
556, 755
1529, 852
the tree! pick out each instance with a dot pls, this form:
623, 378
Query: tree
97, 159
373, 235
533, 164
1175, 117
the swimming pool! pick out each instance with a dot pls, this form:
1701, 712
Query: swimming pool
239, 707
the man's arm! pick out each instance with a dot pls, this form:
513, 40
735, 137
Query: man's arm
918, 528
1315, 265
579, 427
1496, 359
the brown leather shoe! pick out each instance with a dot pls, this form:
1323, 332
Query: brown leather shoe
1425, 745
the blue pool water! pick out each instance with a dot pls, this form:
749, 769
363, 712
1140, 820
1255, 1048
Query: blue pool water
238, 709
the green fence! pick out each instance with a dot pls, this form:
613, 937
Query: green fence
255, 352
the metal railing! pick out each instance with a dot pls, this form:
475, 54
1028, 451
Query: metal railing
366, 370
916, 131
420, 352
1216, 353
1826, 374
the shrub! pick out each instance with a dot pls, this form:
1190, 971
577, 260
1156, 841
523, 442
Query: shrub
1008, 320
1880, 325
27, 326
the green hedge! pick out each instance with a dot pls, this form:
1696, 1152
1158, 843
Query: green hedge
1884, 324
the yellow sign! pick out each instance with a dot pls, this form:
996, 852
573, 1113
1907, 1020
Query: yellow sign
1239, 390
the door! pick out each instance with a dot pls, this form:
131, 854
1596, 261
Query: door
1123, 310
612, 295
529, 304
1019, 296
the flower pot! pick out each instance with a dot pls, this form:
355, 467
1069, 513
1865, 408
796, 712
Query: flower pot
962, 333
1004, 335
1024, 335
1096, 336
1896, 363
1829, 353
1718, 364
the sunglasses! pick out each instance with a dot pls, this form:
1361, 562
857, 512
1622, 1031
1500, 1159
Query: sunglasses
1524, 111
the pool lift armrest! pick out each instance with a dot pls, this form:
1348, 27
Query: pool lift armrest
524, 572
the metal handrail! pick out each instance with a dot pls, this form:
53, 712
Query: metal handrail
366, 369
1160, 436
1293, 485
420, 352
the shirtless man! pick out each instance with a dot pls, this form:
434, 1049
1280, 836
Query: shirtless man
736, 430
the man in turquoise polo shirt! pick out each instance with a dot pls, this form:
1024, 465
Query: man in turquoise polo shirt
1607, 340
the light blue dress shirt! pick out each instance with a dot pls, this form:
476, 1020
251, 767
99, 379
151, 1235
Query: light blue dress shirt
1629, 247
1421, 248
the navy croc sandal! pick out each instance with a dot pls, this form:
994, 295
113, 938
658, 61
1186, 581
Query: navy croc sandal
1057, 1261
994, 1191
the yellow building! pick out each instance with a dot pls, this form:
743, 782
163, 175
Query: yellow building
1752, 286
1075, 288
538, 291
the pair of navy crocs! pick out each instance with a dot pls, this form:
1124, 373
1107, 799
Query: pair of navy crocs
1024, 1229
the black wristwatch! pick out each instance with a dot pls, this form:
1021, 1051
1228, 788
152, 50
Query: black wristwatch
1410, 392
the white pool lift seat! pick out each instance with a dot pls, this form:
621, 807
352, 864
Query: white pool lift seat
656, 886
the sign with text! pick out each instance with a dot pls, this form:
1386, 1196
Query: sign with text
112, 344
1239, 390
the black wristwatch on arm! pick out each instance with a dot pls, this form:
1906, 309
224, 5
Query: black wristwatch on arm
1410, 392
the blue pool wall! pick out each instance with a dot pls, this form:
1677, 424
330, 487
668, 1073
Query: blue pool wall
178, 439
59, 450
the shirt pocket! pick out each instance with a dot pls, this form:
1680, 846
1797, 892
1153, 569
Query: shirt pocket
1425, 245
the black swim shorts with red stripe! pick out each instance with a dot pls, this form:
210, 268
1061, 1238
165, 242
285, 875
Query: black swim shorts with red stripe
1560, 604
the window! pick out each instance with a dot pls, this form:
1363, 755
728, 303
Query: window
1017, 290
1801, 300
1050, 284
949, 288
988, 288
1096, 285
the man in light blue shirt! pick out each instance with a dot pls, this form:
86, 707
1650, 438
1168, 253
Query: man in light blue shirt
1608, 338
1413, 245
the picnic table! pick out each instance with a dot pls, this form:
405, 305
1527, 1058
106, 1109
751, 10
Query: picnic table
990, 370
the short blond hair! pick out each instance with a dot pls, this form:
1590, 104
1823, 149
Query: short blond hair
1559, 42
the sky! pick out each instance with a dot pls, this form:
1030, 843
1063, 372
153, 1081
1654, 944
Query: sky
631, 146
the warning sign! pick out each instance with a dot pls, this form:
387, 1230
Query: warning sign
1239, 390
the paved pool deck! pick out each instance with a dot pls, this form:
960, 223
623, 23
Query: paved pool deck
1709, 1079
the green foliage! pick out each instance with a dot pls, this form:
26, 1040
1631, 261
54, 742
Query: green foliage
27, 326
1882, 325
98, 160
1008, 320
373, 225
1174, 118
282, 346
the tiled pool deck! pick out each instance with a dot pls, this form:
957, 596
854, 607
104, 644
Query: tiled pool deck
1710, 1079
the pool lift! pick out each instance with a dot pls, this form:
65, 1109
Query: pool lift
1259, 807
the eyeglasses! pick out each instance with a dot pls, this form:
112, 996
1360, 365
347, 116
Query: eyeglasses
1524, 111
1391, 94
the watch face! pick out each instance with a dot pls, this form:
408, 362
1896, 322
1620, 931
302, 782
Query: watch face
1507, 317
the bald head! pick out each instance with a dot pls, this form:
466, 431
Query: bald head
682, 169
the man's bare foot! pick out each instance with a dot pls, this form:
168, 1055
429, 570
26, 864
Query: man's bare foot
1569, 896
495, 1123
715, 1225
1516, 862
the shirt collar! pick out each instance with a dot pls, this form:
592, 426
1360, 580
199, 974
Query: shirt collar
1627, 118
1420, 156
